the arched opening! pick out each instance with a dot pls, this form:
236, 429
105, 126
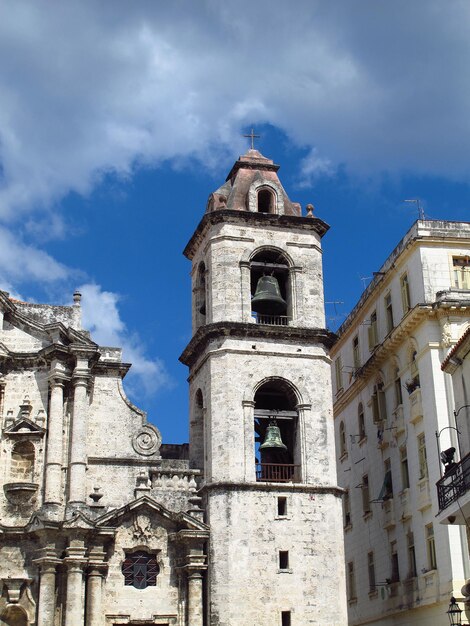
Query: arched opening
14, 616
200, 293
197, 442
276, 433
266, 201
22, 462
270, 288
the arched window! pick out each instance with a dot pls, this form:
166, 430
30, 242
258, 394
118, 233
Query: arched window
197, 443
342, 439
270, 288
266, 201
22, 461
276, 445
413, 383
361, 421
201, 290
140, 570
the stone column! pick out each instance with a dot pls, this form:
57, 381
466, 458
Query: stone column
46, 605
78, 440
53, 471
195, 604
245, 286
47, 563
94, 614
74, 609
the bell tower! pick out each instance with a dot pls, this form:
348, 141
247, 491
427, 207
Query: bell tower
261, 425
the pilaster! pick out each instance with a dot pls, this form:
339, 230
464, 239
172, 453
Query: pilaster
78, 440
75, 563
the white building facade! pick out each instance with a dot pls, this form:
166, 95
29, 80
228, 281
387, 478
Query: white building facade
390, 399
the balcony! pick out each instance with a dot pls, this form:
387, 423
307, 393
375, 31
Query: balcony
389, 514
424, 495
416, 406
454, 484
405, 508
398, 421
277, 473
271, 320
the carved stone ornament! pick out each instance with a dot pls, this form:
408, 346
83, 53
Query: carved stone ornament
142, 528
446, 335
147, 441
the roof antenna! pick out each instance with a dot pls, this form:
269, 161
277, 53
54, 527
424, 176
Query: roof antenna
419, 206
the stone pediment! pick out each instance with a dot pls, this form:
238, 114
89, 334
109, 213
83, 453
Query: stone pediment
149, 507
79, 521
24, 427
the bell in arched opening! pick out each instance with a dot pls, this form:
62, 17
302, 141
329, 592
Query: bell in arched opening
268, 299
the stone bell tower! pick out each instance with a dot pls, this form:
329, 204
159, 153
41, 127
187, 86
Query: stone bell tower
261, 426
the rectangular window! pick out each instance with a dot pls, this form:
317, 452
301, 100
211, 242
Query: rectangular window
285, 618
422, 458
461, 272
398, 391
379, 405
373, 333
282, 507
351, 581
411, 555
405, 476
347, 509
389, 312
356, 353
371, 571
387, 487
365, 494
339, 374
395, 570
283, 559
431, 547
405, 293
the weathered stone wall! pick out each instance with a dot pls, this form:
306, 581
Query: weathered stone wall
246, 584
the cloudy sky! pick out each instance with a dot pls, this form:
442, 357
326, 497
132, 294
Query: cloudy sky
118, 118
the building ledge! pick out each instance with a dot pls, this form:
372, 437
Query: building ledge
206, 333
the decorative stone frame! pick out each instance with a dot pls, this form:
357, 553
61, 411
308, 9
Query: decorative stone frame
274, 188
245, 278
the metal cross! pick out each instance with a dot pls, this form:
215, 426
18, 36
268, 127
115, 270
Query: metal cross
252, 136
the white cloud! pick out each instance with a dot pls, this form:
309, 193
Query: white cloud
314, 166
94, 87
100, 315
20, 261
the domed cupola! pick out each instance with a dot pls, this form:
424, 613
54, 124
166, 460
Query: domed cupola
253, 185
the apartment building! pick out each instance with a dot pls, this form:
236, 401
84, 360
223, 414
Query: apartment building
391, 399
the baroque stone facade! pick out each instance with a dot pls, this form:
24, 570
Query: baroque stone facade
102, 524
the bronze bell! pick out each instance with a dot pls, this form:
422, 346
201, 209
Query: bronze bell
273, 438
267, 299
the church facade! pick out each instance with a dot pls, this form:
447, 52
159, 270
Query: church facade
102, 524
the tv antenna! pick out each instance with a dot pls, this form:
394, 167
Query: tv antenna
419, 206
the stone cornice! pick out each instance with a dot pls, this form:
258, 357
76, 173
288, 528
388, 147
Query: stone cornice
383, 351
264, 486
208, 332
269, 220
392, 341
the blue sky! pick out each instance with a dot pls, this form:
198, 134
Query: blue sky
117, 119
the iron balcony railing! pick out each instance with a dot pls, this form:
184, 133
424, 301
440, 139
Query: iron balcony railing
454, 484
271, 320
277, 473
